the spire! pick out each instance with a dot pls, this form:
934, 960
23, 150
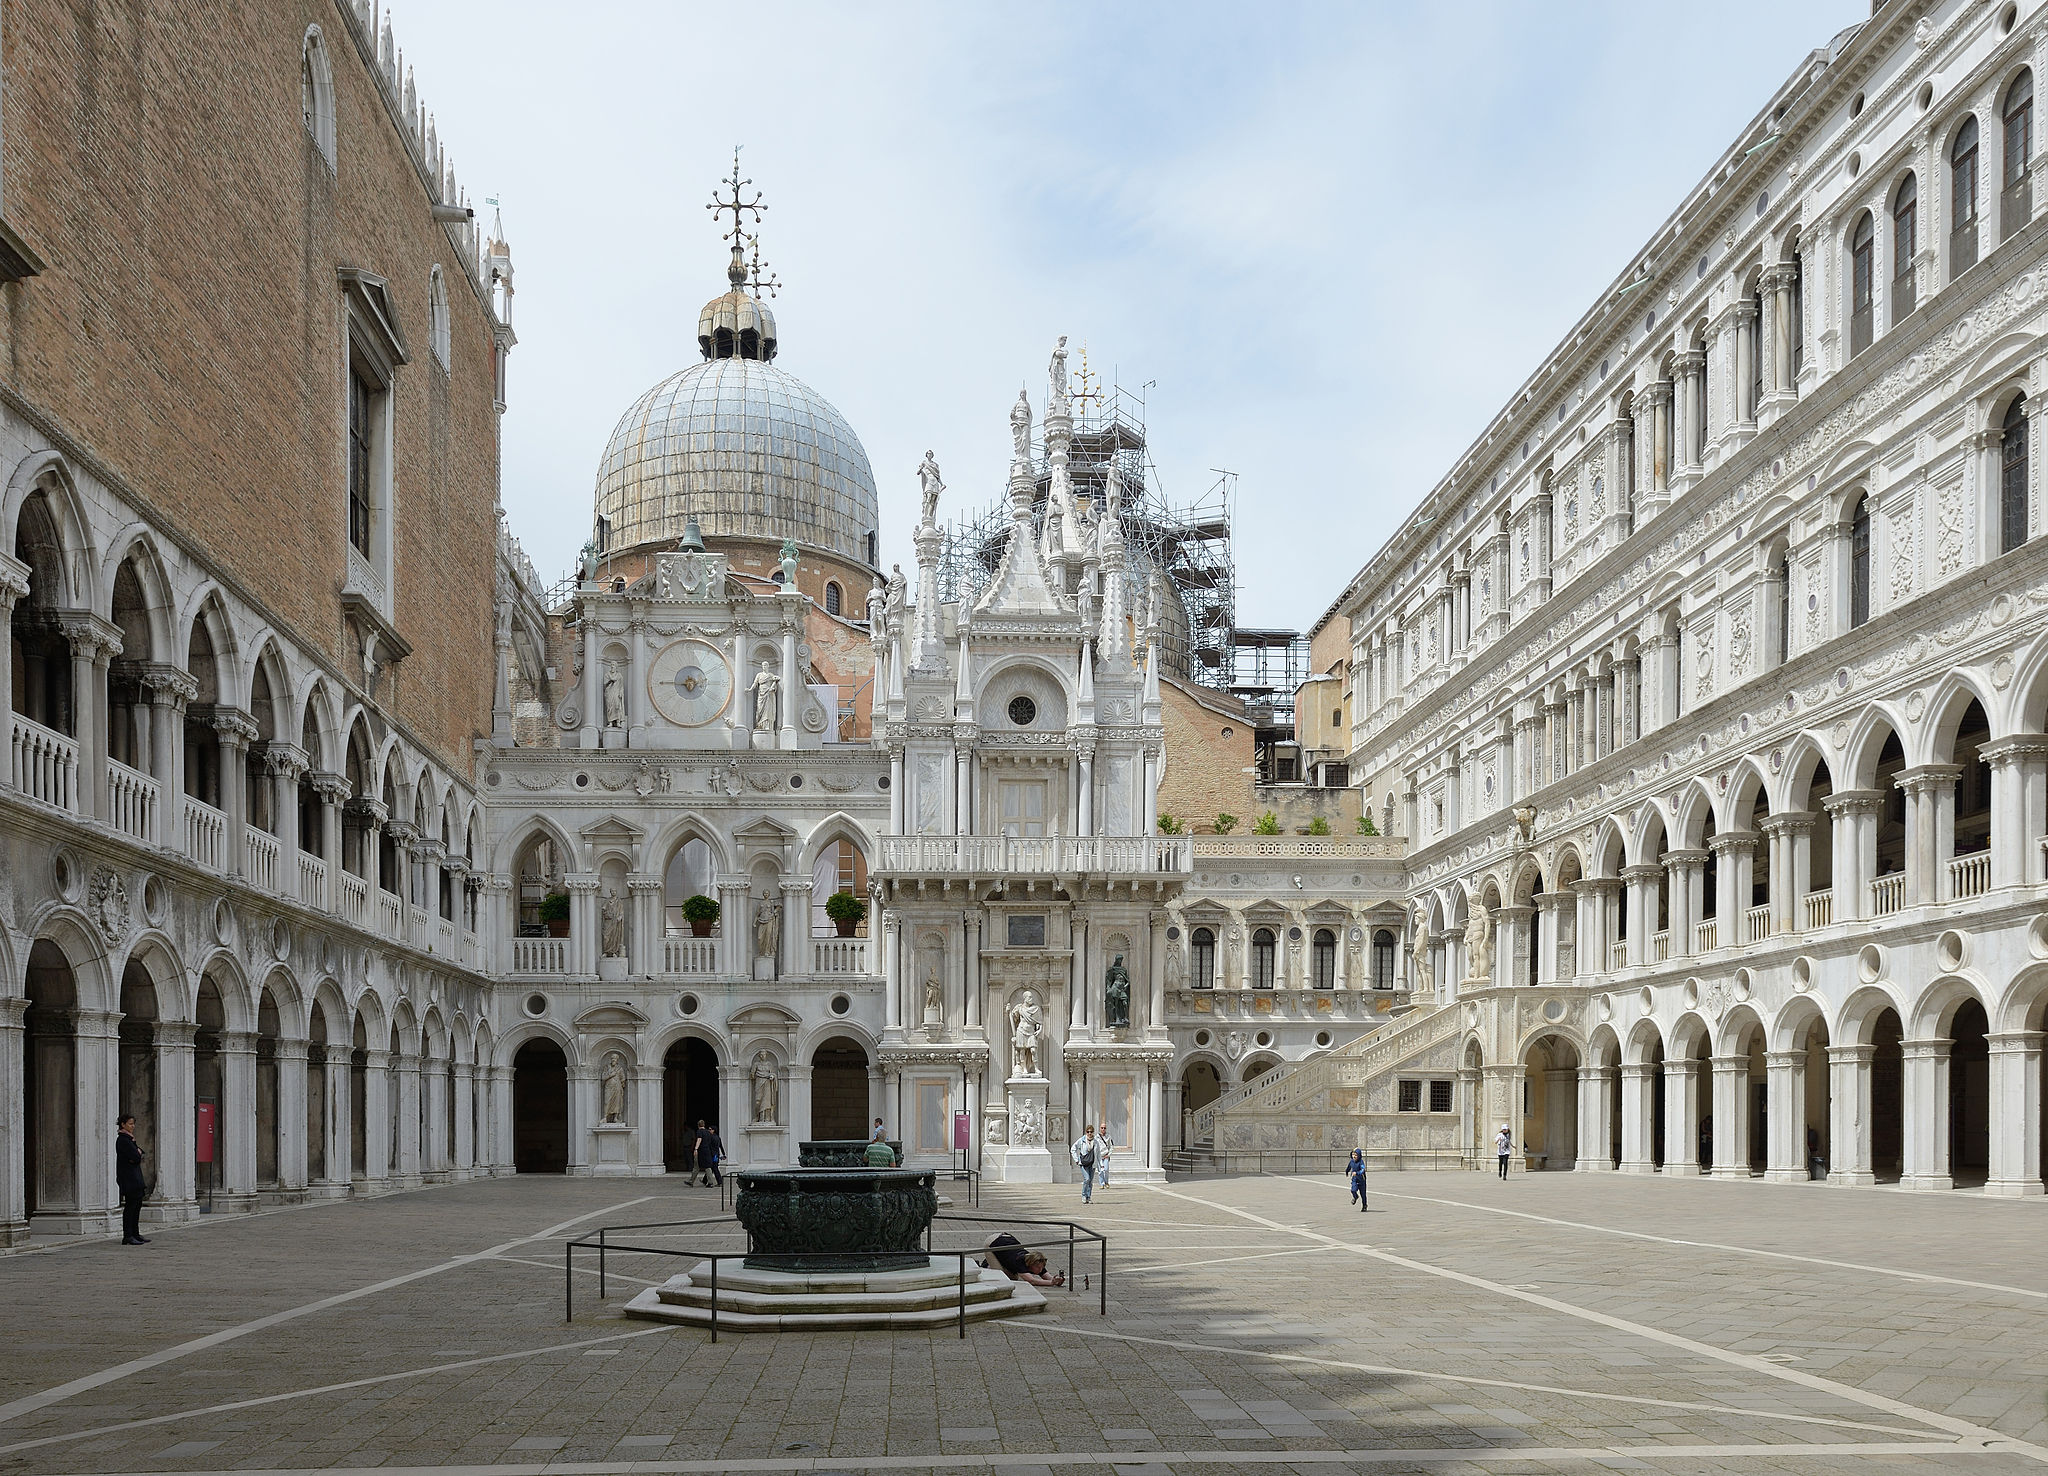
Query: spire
1113, 636
1021, 585
737, 324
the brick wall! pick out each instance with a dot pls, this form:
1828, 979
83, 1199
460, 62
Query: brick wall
1208, 748
188, 328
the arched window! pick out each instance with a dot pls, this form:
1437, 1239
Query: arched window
1905, 239
1859, 563
1382, 959
1203, 946
832, 598
1862, 283
437, 318
2012, 477
2016, 200
1262, 959
1784, 632
1962, 173
1323, 959
689, 874
316, 94
1798, 315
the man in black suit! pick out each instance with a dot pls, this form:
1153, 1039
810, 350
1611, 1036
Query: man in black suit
710, 1149
128, 1179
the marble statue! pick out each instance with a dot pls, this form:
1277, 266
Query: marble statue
1116, 995
1174, 967
934, 997
1233, 1044
1424, 982
1029, 1130
1056, 371
878, 607
614, 696
613, 1083
1027, 1030
766, 684
899, 592
762, 1079
929, 487
767, 925
1479, 945
1020, 426
611, 933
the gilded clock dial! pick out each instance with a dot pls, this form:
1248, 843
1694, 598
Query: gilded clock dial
689, 683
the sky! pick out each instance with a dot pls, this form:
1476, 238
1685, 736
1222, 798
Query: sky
1324, 242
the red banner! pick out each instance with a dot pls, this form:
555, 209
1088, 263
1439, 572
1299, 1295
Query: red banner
205, 1133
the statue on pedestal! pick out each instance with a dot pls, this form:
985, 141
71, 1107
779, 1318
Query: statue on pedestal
767, 927
1479, 946
613, 1083
766, 684
611, 914
1419, 947
929, 487
934, 997
614, 696
762, 1079
1116, 995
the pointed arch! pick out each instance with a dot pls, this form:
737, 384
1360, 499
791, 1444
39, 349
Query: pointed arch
42, 488
1804, 758
1738, 801
147, 616
1876, 723
1953, 693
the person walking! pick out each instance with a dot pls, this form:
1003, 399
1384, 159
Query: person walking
1085, 1159
710, 1151
1358, 1178
1503, 1145
128, 1179
1103, 1148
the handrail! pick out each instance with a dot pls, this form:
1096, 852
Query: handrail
600, 1241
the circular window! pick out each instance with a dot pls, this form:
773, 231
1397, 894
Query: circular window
1022, 711
686, 1005
1856, 106
1173, 935
1201, 1037
583, 781
536, 1005
1323, 1037
796, 781
1926, 96
882, 782
841, 1004
1294, 935
1226, 733
1855, 165
2005, 21
1264, 1037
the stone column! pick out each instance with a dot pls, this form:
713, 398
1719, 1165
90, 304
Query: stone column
377, 1108
1155, 1119
96, 1098
1548, 906
234, 732
1731, 1116
1638, 1117
333, 792
1785, 1122
13, 1073
583, 923
94, 645
291, 1115
1596, 1133
1681, 1117
892, 970
1930, 829
644, 925
796, 928
1849, 1133
13, 589
1155, 970
1175, 1123
1687, 877
1734, 882
235, 1141
465, 1119
176, 1169
1853, 813
501, 1119
1643, 883
735, 949
973, 985
1923, 1114
2019, 780
1511, 943
1745, 364
2015, 1168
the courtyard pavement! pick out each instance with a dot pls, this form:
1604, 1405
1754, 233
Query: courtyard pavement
1559, 1322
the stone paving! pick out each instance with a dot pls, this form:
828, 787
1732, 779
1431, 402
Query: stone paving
1553, 1323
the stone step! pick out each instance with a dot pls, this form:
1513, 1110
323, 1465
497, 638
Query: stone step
879, 1311
757, 1292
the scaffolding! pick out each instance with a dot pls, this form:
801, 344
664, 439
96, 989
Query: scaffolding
1179, 559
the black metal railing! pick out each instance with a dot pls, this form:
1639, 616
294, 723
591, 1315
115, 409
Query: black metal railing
1312, 1160
1076, 1238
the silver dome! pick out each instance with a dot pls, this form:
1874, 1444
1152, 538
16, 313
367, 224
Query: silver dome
747, 449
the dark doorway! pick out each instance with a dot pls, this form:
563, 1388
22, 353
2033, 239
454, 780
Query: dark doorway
49, 1061
540, 1109
839, 1091
689, 1095
1887, 1089
1969, 1096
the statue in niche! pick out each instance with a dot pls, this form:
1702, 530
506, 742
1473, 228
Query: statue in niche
1027, 1030
613, 1084
766, 684
767, 926
1419, 947
1479, 945
611, 916
934, 997
1116, 995
1174, 974
614, 696
765, 1088
929, 487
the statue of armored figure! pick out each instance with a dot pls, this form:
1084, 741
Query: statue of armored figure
929, 487
762, 1079
1027, 1030
1116, 995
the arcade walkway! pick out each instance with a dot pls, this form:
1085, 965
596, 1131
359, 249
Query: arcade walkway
1553, 1323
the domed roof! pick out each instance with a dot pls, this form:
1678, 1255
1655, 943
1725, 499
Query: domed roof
746, 448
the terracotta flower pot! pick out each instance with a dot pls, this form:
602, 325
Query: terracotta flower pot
558, 927
846, 925
700, 929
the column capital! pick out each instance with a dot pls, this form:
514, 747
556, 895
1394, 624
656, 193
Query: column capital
1788, 822
331, 787
1644, 873
2018, 747
1926, 1050
1742, 841
1685, 1066
13, 580
2017, 1042
1851, 1054
173, 1034
1679, 860
238, 1042
290, 1050
1928, 778
169, 686
1853, 802
1783, 1060
91, 636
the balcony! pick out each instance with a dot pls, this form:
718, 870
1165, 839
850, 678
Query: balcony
1887, 894
1756, 924
43, 764
689, 955
259, 851
355, 897
540, 955
1970, 875
1053, 855
312, 880
1706, 935
839, 955
1818, 909
1617, 954
132, 800
1660, 947
205, 829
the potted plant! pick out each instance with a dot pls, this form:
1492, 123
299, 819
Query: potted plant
700, 912
1268, 824
554, 911
847, 911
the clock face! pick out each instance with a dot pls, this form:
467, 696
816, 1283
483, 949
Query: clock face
689, 683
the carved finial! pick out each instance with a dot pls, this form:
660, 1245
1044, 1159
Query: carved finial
739, 206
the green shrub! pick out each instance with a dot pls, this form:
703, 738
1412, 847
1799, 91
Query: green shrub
846, 907
1319, 826
700, 909
1366, 827
1225, 823
554, 907
1269, 824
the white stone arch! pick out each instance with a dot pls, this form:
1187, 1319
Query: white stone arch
1687, 1033
1934, 1008
294, 1008
269, 659
1649, 834
816, 1034
139, 543
77, 565
1949, 699
1997, 372
663, 1039
1735, 1027
177, 988
72, 933
483, 1050
439, 336
316, 94
368, 1007
231, 979
2020, 1007
461, 1040
1689, 811
993, 685
1786, 1030
688, 827
1643, 1038
207, 607
517, 1035
1266, 1057
1746, 781
520, 832
317, 702
837, 826
1603, 1047
1609, 851
434, 1035
1804, 755
405, 1027
1877, 721
1853, 1021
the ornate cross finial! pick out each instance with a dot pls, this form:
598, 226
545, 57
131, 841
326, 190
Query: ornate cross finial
1087, 384
757, 283
739, 205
